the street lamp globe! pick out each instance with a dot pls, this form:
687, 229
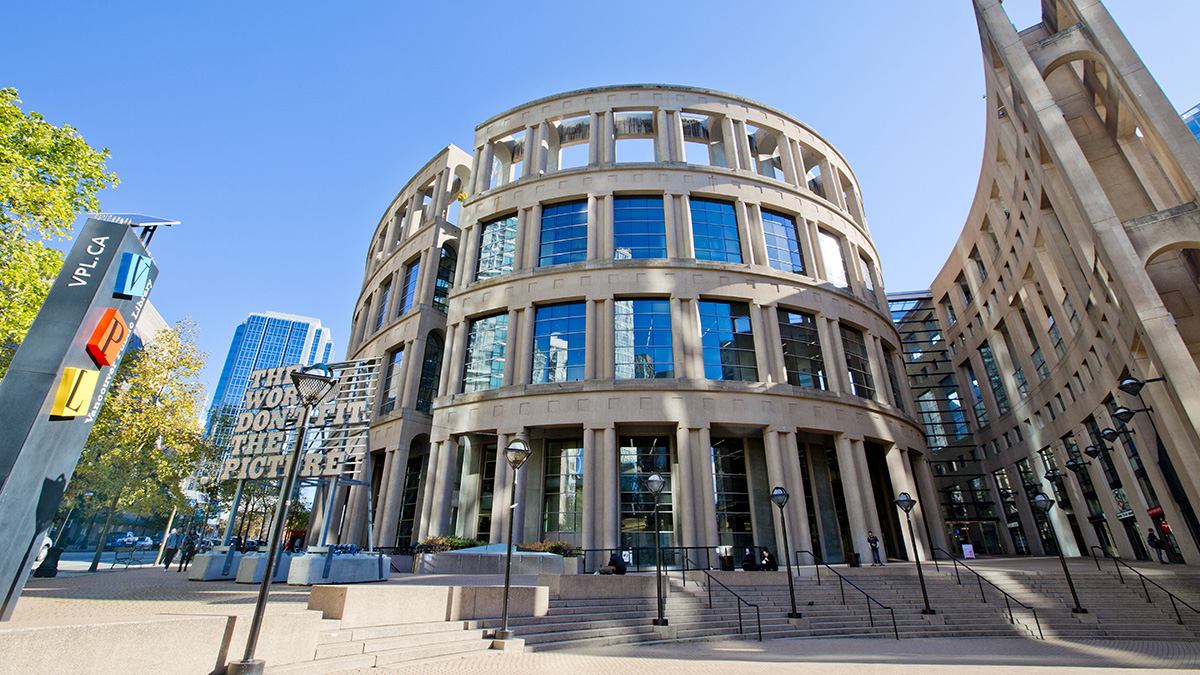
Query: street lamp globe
780, 496
655, 484
906, 502
1042, 503
517, 453
1123, 414
1131, 386
313, 383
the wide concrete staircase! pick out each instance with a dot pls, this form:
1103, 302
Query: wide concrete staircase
348, 648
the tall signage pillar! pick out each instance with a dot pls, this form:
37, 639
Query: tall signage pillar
54, 388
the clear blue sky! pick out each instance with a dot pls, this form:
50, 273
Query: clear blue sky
278, 132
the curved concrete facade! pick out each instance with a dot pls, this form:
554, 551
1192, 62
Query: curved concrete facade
1077, 268
652, 279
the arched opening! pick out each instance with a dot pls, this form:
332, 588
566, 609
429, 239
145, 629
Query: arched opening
1175, 272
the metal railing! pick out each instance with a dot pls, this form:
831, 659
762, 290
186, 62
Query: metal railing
1175, 599
740, 599
979, 578
842, 581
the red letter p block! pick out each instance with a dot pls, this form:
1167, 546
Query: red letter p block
106, 341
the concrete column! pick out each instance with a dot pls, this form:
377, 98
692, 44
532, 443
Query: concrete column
856, 510
448, 357
749, 254
381, 498
761, 346
528, 166
670, 227
604, 227
502, 488
729, 137
815, 261
686, 242
510, 351
519, 260
931, 516
755, 238
593, 246
608, 471
866, 493
608, 139
775, 343
685, 506
533, 238
776, 478
425, 278
425, 516
442, 462
662, 137
902, 482
591, 346
836, 369
678, 349
438, 202
524, 347
604, 339
414, 358
468, 253
743, 145
526, 483
788, 159
593, 507
676, 120
707, 491
595, 129
484, 176
476, 159
883, 386
689, 333
797, 506
394, 477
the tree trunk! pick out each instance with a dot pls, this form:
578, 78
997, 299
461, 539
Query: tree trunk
112, 507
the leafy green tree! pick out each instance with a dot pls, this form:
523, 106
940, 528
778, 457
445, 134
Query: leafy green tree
147, 436
48, 175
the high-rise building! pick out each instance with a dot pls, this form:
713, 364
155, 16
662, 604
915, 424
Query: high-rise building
264, 340
1192, 119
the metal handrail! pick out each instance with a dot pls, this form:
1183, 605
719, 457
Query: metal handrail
842, 581
1117, 563
982, 594
740, 599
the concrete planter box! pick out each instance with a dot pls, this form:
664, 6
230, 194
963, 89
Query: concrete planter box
210, 566
250, 568
359, 606
593, 586
491, 559
309, 569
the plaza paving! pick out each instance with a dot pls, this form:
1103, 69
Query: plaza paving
77, 596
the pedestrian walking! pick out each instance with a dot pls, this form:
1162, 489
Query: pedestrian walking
1156, 542
874, 542
171, 546
188, 552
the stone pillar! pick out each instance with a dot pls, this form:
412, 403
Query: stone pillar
394, 477
763, 350
677, 154
749, 254
678, 347
604, 339
902, 482
685, 506
686, 241
707, 491
883, 386
775, 343
591, 353
797, 506
689, 333
788, 159
776, 477
662, 137
595, 131
593, 506
381, 498
836, 370
608, 470
414, 358
512, 340
866, 493
502, 487
533, 238
430, 258
447, 382
815, 262
608, 139
756, 239
856, 510
484, 176
593, 214
519, 260
523, 345
670, 227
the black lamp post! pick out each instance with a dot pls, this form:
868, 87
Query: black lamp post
906, 502
312, 384
1043, 503
655, 484
780, 496
517, 453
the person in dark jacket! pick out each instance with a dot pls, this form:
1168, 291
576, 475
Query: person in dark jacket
1157, 544
749, 563
190, 542
769, 563
617, 563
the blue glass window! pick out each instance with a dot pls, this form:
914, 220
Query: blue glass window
801, 350
783, 246
497, 243
564, 234
392, 381
639, 228
412, 277
445, 278
858, 362
486, 345
642, 335
715, 232
431, 371
559, 337
727, 341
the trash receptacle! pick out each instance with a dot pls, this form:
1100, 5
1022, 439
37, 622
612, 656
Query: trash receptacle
726, 562
853, 560
49, 566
